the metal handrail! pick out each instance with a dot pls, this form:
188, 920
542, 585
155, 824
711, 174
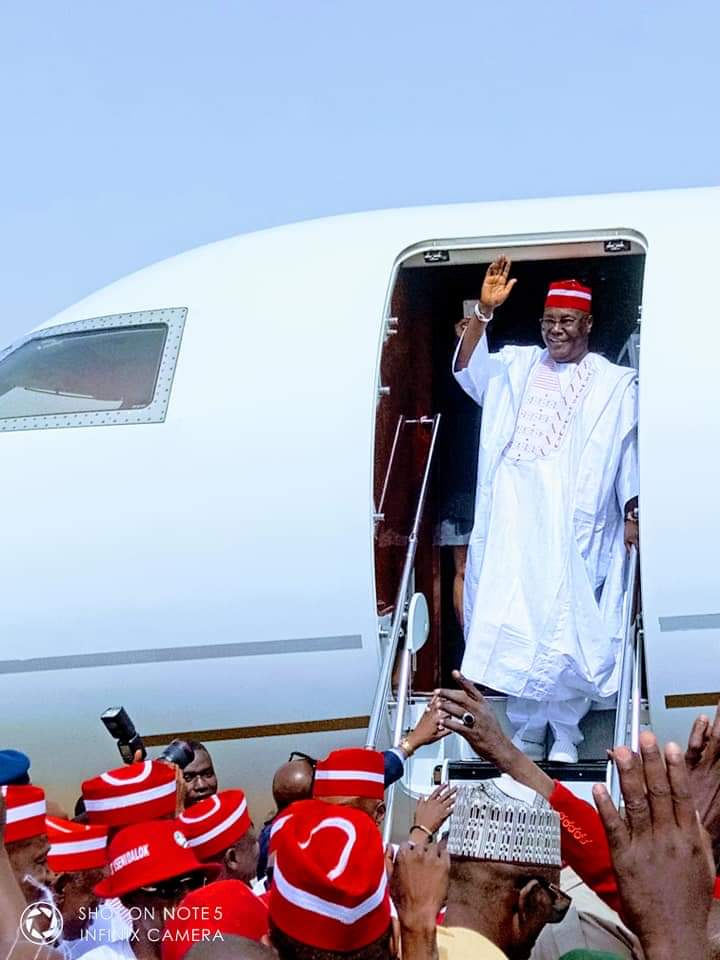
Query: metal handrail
379, 515
630, 674
382, 689
636, 692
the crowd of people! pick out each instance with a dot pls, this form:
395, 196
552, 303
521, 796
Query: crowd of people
160, 862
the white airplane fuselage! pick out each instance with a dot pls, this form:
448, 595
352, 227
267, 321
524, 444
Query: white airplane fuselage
213, 571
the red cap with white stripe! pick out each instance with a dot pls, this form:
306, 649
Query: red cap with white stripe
226, 907
216, 823
570, 294
131, 794
353, 772
147, 854
75, 846
25, 812
329, 883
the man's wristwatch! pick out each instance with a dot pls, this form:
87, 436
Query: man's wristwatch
406, 747
481, 316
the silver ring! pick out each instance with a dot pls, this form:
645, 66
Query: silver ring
468, 719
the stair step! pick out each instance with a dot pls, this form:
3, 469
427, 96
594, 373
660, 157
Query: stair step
593, 771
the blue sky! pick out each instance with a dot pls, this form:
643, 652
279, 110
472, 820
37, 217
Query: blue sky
134, 130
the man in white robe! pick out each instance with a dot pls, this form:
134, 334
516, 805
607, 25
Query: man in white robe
557, 485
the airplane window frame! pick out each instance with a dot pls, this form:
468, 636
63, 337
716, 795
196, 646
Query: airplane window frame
155, 412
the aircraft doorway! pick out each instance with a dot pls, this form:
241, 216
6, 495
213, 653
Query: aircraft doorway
429, 286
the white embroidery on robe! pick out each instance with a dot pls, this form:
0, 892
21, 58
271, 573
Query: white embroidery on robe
546, 411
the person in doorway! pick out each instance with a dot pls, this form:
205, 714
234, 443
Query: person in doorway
556, 494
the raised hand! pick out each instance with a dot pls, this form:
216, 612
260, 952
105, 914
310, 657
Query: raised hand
419, 891
702, 759
496, 287
432, 812
428, 728
468, 713
660, 853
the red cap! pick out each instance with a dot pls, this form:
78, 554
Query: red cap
131, 794
75, 846
25, 816
225, 907
354, 772
148, 853
214, 824
569, 293
329, 882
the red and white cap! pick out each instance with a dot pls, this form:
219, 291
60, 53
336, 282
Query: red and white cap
570, 294
353, 772
25, 812
146, 854
75, 846
211, 913
329, 883
131, 794
214, 824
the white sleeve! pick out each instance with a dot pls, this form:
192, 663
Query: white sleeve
482, 365
626, 481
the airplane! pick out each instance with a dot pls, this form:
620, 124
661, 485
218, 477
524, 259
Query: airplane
213, 467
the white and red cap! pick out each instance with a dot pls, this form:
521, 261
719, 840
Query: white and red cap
570, 294
227, 907
146, 854
216, 823
131, 794
352, 772
329, 885
75, 846
25, 812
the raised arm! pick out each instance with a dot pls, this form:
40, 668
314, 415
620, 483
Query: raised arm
584, 845
495, 291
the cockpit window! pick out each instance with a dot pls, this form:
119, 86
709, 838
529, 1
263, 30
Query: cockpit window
107, 370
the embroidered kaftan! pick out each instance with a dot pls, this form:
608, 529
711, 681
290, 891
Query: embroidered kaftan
558, 462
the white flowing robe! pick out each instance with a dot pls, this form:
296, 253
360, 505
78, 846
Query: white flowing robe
544, 578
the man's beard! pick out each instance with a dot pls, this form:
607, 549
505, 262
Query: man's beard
47, 896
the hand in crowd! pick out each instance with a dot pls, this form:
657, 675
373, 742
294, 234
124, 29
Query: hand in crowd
660, 853
484, 733
432, 811
180, 784
419, 890
429, 728
702, 759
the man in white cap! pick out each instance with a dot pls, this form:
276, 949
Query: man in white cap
557, 489
504, 847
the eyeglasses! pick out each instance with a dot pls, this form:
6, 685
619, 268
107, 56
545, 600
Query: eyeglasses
297, 755
175, 886
564, 322
559, 900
